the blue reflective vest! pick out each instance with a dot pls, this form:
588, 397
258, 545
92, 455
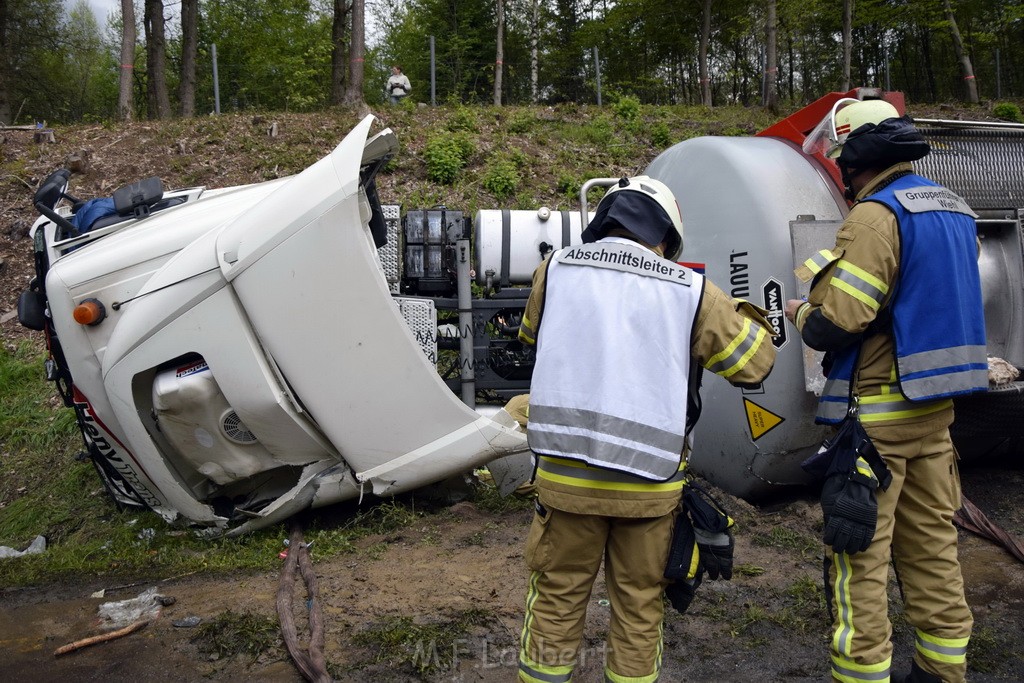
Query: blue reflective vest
938, 322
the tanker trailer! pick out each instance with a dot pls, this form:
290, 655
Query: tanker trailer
755, 207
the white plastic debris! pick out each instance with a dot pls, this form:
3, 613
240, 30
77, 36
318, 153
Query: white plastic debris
1001, 372
126, 612
37, 546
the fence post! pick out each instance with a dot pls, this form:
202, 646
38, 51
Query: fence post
597, 69
216, 82
433, 77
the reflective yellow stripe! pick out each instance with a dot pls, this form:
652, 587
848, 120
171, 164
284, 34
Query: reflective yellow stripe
903, 408
947, 650
531, 598
612, 677
733, 345
849, 671
526, 333
866, 299
842, 640
816, 264
581, 482
864, 275
864, 468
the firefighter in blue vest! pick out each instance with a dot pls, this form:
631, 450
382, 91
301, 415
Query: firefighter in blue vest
618, 324
896, 305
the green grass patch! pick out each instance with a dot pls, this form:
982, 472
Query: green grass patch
427, 648
787, 539
243, 633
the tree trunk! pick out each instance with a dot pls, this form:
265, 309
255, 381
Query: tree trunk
5, 69
702, 58
189, 45
125, 86
499, 64
156, 61
338, 51
534, 29
771, 69
356, 53
965, 60
847, 42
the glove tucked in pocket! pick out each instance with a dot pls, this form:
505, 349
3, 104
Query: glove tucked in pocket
850, 508
711, 526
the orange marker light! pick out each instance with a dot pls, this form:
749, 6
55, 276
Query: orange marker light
90, 312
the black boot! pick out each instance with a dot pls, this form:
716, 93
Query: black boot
916, 675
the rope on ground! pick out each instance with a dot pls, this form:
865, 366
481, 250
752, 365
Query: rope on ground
311, 664
972, 519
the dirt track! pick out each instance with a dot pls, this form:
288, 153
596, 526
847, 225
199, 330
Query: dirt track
463, 561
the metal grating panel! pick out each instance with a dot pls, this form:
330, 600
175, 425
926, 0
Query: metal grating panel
983, 165
421, 318
390, 253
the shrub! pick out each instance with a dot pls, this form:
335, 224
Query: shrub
501, 178
463, 119
446, 156
521, 122
1008, 111
627, 107
661, 136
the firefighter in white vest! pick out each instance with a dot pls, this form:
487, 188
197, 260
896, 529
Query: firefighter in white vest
617, 325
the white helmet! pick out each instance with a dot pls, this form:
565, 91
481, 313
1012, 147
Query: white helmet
643, 206
846, 116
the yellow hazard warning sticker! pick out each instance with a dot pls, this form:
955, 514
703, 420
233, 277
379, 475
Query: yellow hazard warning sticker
760, 419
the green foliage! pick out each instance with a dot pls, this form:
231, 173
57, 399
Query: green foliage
1008, 111
27, 420
501, 176
463, 119
446, 155
627, 107
522, 122
661, 135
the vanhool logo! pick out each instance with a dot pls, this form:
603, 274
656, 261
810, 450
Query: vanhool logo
773, 302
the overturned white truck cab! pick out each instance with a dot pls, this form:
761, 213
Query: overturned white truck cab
238, 355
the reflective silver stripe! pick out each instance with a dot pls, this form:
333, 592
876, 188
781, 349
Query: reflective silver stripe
858, 283
547, 678
600, 423
841, 639
944, 358
839, 388
602, 450
831, 411
819, 261
594, 474
848, 673
734, 358
942, 653
945, 383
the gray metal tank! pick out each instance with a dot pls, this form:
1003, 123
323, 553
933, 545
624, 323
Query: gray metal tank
739, 198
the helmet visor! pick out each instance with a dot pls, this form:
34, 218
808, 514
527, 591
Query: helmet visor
824, 139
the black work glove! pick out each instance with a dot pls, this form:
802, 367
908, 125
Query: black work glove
715, 552
680, 593
850, 509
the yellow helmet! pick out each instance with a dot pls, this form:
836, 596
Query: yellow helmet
846, 116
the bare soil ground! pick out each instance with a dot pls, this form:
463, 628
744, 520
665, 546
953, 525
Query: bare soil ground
461, 568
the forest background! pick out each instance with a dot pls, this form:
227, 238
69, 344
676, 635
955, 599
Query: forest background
154, 59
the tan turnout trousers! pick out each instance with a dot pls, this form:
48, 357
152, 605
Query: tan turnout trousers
634, 551
914, 520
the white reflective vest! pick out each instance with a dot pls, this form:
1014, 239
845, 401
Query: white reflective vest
613, 358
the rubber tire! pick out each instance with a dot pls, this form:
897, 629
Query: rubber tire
990, 423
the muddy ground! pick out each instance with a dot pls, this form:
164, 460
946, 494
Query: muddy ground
457, 577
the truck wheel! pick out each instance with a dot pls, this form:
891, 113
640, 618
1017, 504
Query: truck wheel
990, 423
